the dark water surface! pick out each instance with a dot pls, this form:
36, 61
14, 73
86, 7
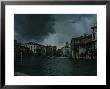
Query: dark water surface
59, 66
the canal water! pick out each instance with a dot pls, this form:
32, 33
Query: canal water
56, 66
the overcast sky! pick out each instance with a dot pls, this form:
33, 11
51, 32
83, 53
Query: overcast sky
52, 29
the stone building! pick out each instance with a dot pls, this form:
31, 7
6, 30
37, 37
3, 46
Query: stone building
66, 50
85, 47
59, 53
51, 51
20, 50
33, 49
37, 49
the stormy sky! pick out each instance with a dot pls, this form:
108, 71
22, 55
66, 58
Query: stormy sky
52, 29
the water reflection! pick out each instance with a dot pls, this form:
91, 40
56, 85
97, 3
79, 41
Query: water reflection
59, 66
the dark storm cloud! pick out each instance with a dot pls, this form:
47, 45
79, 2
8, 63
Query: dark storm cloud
52, 29
68, 26
35, 27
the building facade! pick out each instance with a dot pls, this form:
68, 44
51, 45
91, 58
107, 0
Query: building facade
51, 51
66, 50
59, 53
20, 50
85, 47
37, 49
33, 49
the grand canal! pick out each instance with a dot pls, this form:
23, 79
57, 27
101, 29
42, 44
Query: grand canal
55, 66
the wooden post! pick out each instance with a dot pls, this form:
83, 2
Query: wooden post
21, 56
